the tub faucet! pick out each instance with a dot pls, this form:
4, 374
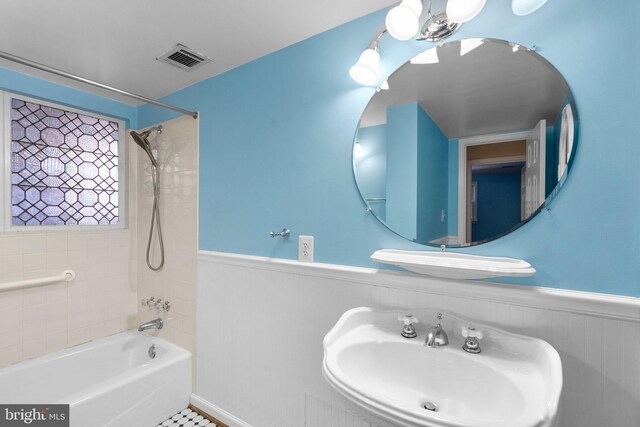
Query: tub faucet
436, 336
153, 324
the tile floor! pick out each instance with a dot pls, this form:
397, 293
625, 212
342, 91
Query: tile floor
187, 418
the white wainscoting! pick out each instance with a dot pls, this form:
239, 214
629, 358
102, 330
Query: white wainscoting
261, 323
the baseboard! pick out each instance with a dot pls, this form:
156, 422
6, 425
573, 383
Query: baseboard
579, 302
216, 412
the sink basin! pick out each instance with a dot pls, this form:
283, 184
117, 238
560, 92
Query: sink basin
514, 382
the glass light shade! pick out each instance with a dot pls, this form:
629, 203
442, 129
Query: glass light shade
403, 21
467, 45
464, 10
365, 71
427, 57
358, 151
525, 7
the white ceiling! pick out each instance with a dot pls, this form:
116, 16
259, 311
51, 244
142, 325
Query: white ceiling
489, 90
115, 42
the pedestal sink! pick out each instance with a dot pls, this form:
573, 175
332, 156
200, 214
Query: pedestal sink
514, 382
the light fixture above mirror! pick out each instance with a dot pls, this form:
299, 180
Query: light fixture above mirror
402, 22
365, 71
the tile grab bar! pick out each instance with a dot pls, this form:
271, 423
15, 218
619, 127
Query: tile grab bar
66, 276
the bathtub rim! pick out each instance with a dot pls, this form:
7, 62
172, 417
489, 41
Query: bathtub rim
174, 355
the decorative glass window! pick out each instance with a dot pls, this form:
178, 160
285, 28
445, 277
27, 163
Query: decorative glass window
64, 166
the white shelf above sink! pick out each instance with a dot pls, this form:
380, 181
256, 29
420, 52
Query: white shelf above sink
451, 265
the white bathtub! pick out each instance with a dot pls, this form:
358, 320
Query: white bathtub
108, 382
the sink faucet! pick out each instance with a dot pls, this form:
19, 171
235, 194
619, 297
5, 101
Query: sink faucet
153, 324
436, 336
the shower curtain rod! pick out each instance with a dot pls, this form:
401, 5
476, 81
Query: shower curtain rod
61, 73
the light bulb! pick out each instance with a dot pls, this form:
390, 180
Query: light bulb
358, 151
467, 45
403, 21
464, 10
384, 85
525, 7
365, 71
427, 57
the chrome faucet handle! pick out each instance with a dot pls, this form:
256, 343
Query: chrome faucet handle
158, 304
408, 331
472, 339
471, 332
148, 302
408, 319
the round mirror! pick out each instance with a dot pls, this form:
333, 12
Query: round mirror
467, 142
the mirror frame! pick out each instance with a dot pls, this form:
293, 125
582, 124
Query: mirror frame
548, 200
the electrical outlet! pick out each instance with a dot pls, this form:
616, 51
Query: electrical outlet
305, 248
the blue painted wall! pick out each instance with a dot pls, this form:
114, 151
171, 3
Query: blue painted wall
402, 169
498, 204
371, 167
452, 197
23, 84
432, 178
417, 174
276, 137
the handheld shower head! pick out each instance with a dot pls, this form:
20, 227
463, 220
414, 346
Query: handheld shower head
141, 138
143, 142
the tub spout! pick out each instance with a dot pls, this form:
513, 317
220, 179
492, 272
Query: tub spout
153, 324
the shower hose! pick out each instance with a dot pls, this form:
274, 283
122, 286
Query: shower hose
155, 221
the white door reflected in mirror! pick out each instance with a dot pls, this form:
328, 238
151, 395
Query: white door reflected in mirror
566, 140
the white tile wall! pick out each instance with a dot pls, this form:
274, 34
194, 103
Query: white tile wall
262, 324
99, 302
176, 149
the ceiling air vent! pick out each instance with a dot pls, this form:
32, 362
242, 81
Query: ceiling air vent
182, 57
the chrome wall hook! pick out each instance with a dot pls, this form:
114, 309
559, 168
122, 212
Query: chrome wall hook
285, 233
